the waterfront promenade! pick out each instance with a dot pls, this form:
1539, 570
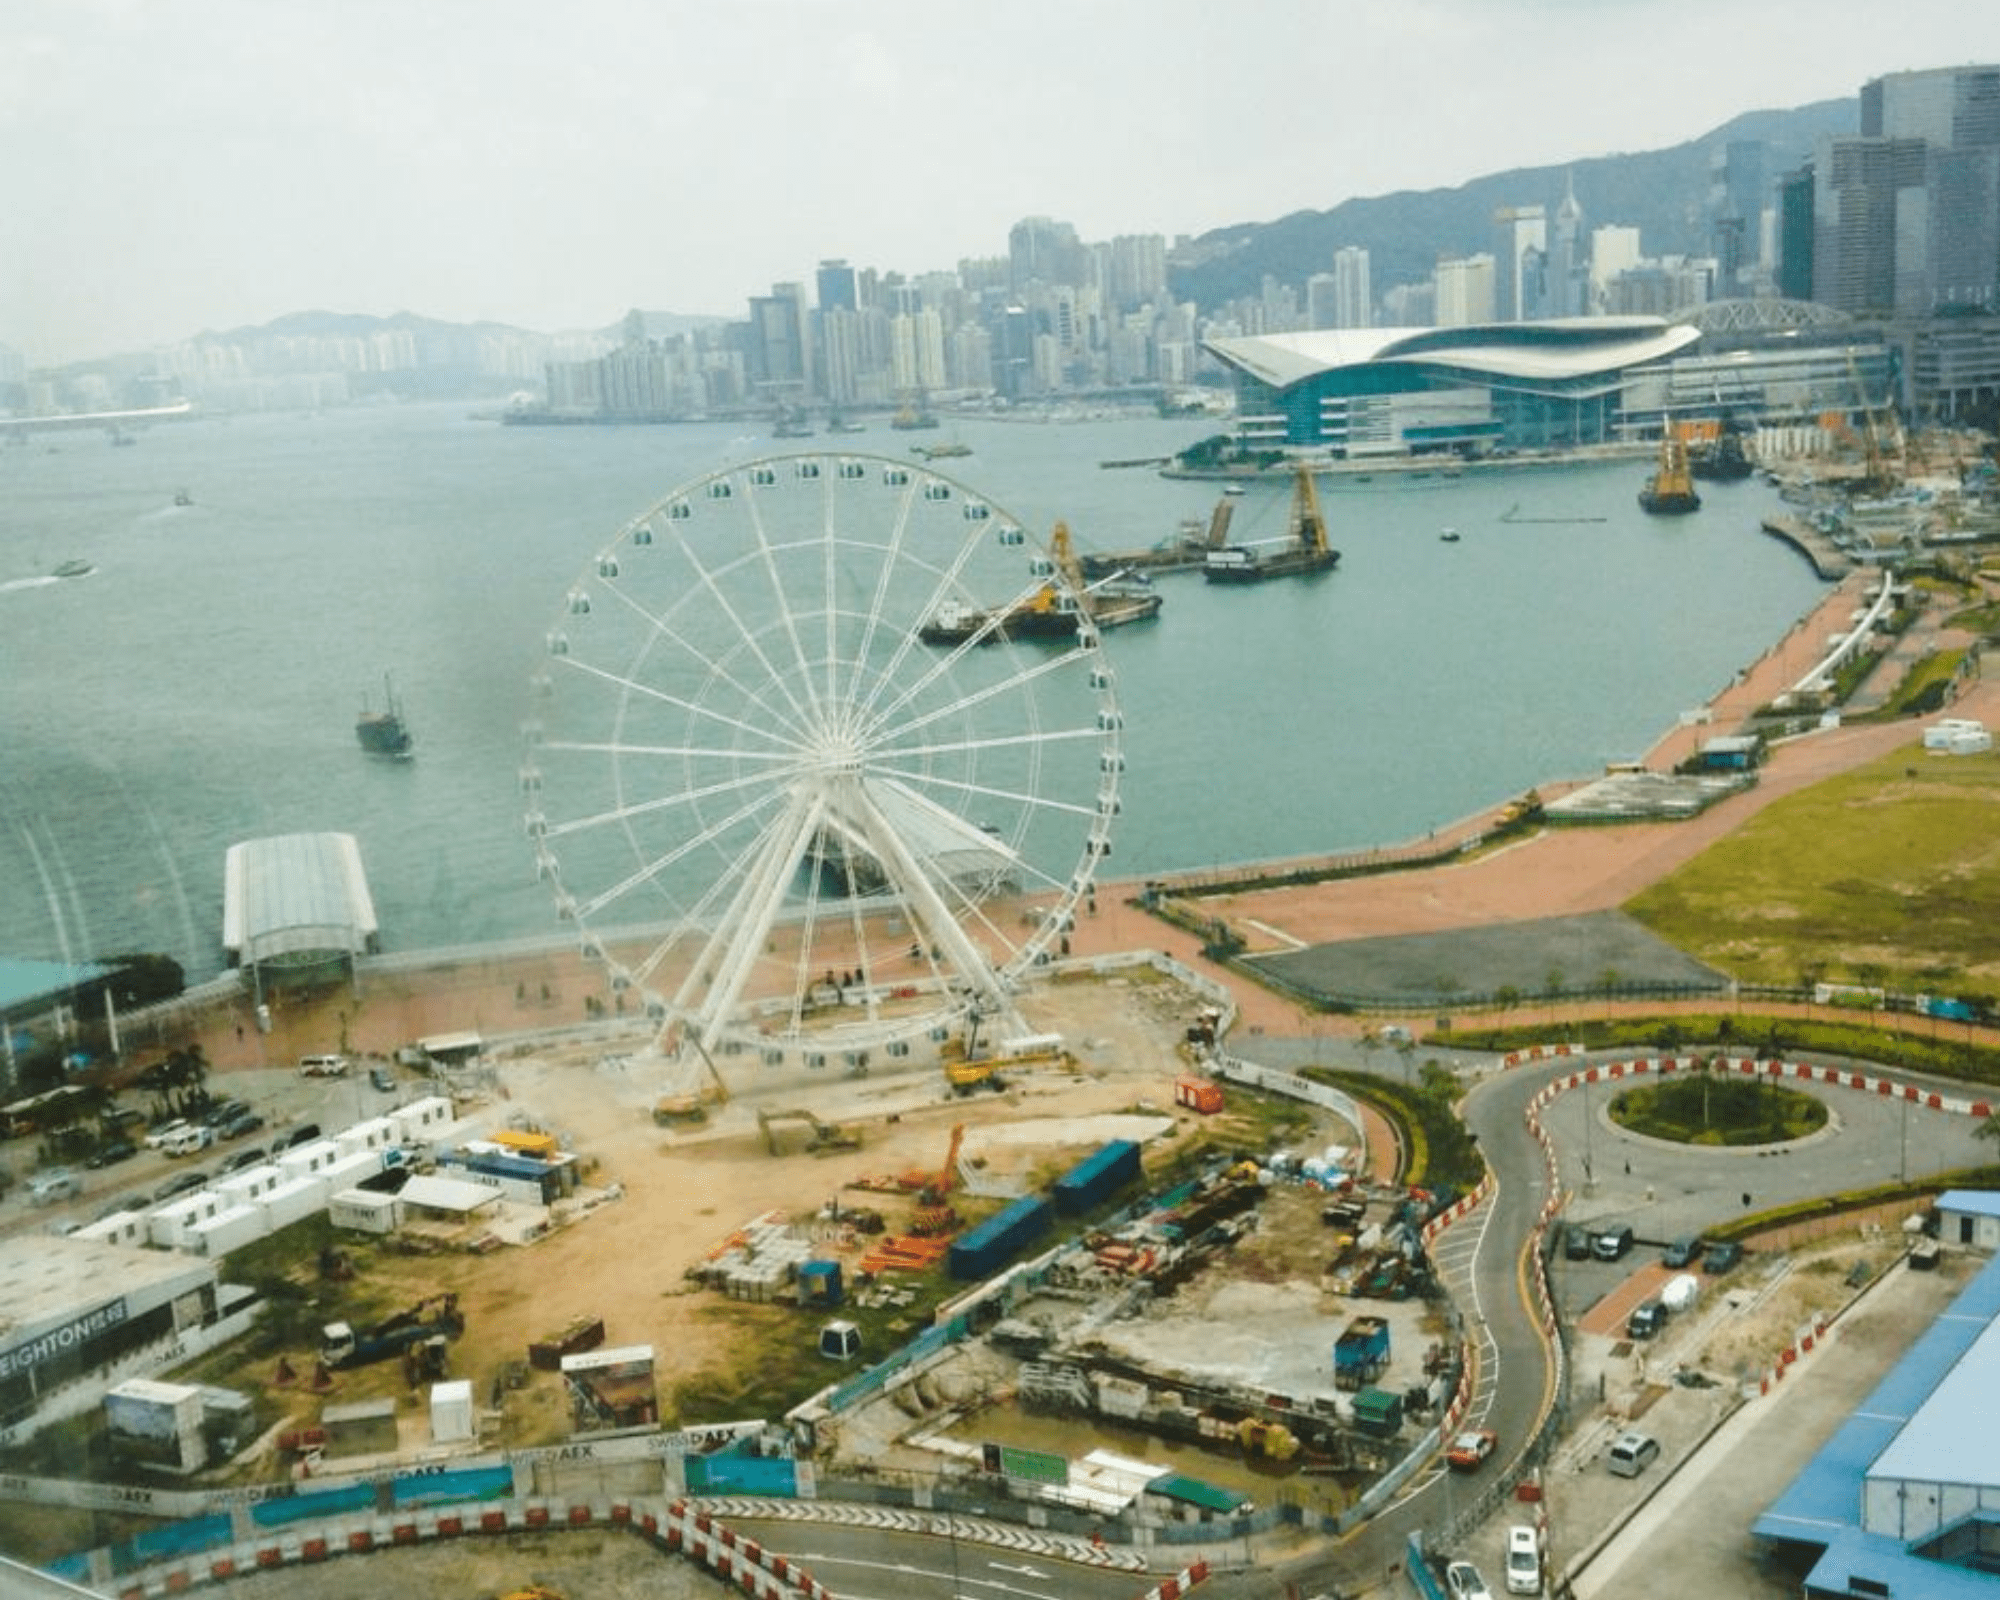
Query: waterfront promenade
1553, 872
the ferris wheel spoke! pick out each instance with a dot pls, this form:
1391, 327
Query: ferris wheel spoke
800, 715
939, 668
1048, 667
690, 651
1024, 798
649, 870
998, 741
947, 582
767, 557
624, 814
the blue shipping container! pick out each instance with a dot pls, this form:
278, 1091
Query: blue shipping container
996, 1241
1096, 1178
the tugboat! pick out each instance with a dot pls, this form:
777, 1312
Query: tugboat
384, 732
1303, 551
1670, 490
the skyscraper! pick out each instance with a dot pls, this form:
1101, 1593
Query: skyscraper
1906, 216
1520, 263
1353, 304
835, 283
1567, 290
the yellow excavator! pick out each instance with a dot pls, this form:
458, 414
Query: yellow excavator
692, 1105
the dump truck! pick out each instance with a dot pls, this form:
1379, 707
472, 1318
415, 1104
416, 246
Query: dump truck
1361, 1352
343, 1345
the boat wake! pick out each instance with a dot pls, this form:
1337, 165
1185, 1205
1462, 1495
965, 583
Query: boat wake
43, 582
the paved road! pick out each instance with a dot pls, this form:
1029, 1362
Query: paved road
1663, 1190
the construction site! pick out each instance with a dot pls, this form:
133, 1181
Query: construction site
1091, 1245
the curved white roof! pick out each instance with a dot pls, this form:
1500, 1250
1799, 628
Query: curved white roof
1546, 352
299, 894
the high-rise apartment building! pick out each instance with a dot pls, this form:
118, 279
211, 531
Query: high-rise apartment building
836, 286
779, 349
1353, 301
1464, 286
1614, 251
1136, 273
1043, 250
1520, 263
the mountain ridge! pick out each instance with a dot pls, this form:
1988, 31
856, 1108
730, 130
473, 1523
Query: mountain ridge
1660, 192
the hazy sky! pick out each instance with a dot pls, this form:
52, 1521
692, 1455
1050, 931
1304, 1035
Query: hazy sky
168, 166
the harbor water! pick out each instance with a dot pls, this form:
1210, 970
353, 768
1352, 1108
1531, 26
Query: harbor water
200, 685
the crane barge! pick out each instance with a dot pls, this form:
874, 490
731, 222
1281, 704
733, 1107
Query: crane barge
1304, 549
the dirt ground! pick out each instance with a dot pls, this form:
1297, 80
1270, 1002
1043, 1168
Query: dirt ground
662, 1199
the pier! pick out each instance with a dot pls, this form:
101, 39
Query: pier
1827, 558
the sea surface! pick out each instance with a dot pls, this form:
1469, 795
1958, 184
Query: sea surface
200, 686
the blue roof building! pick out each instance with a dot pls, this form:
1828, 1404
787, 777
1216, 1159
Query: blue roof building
1905, 1498
1357, 392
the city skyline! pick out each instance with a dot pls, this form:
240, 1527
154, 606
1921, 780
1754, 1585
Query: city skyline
173, 170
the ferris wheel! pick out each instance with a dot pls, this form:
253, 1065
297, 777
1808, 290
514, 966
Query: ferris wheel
824, 753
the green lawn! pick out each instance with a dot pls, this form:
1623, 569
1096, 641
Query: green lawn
1886, 876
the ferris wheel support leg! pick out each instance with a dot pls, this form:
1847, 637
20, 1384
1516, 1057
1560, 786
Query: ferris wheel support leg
748, 922
940, 926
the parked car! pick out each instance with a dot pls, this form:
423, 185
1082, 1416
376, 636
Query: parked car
1463, 1582
123, 1117
1612, 1241
1722, 1255
1683, 1252
1646, 1320
304, 1133
383, 1079
225, 1111
1632, 1453
1524, 1559
111, 1152
322, 1066
1576, 1242
236, 1161
158, 1137
1470, 1448
181, 1183
45, 1188
243, 1122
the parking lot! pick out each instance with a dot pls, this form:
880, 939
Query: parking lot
142, 1159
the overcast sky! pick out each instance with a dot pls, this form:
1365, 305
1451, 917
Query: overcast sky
169, 166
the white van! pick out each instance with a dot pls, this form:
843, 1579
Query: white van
322, 1066
186, 1141
1632, 1453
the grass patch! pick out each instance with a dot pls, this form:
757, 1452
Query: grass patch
1708, 1108
1886, 876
